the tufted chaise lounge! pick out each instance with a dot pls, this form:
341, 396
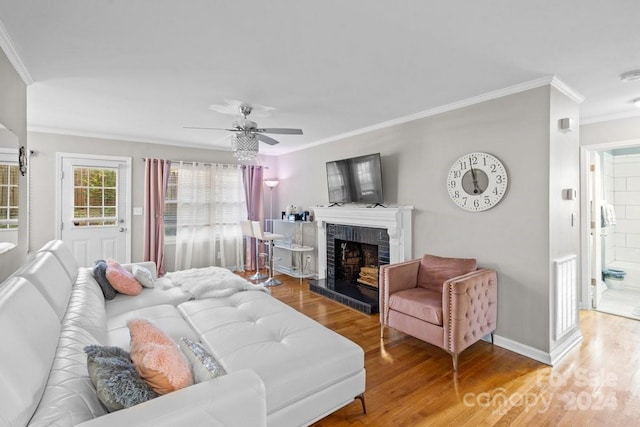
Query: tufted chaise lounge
447, 302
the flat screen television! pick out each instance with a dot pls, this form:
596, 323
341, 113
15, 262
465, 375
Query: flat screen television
355, 180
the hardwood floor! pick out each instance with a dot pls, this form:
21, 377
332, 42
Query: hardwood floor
411, 383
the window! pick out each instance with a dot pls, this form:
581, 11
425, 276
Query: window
9, 193
234, 201
171, 204
94, 197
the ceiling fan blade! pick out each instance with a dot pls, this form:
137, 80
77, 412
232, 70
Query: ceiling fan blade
282, 131
267, 139
196, 127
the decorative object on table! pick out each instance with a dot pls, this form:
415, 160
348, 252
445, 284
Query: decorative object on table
291, 209
477, 181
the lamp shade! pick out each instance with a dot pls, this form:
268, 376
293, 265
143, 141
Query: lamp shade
272, 182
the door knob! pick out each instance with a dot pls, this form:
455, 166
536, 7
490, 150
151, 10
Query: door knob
122, 229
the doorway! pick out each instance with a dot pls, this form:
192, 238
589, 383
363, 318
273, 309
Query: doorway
94, 214
611, 243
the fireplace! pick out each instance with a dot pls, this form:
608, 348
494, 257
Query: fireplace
352, 244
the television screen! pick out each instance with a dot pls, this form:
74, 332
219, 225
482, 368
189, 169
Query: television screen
355, 180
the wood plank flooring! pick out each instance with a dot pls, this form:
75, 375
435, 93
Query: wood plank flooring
411, 383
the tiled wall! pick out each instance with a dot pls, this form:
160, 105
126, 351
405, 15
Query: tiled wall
608, 234
626, 185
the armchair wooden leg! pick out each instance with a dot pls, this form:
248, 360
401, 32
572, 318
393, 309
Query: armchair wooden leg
455, 361
381, 331
491, 338
361, 398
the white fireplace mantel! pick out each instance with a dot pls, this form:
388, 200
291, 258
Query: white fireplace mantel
396, 220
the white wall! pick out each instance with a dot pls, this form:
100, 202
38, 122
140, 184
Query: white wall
513, 237
13, 115
43, 185
627, 207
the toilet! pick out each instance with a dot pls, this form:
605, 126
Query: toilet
613, 278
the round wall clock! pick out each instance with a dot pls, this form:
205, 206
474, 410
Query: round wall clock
477, 182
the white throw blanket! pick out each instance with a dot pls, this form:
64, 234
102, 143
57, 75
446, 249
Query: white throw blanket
209, 282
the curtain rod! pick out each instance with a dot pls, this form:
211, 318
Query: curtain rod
211, 164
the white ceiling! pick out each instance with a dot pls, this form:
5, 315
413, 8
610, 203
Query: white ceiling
143, 69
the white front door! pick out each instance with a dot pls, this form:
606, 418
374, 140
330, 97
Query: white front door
94, 207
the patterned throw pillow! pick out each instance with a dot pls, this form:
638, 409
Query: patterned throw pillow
118, 383
121, 279
100, 274
157, 358
142, 275
204, 366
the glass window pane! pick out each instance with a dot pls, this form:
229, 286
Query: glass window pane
95, 212
95, 196
80, 212
109, 212
95, 178
110, 177
4, 174
13, 213
110, 197
80, 197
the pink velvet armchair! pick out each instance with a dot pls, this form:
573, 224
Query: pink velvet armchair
447, 302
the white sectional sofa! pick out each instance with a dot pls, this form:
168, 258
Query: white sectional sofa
283, 368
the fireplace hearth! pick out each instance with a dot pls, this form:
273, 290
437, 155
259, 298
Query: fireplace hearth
353, 256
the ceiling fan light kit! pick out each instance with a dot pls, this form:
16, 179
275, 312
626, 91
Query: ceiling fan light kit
245, 146
244, 142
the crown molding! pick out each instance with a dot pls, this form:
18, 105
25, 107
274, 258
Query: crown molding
610, 117
566, 90
7, 46
124, 138
510, 90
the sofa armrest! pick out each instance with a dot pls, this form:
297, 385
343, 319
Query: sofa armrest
469, 308
149, 265
394, 278
235, 399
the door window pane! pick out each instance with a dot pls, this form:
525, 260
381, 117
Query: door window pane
94, 197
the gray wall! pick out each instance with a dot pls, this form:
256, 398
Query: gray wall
43, 183
13, 115
514, 236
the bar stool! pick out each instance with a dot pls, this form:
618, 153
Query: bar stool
247, 231
267, 238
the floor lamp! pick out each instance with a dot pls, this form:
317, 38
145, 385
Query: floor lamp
271, 183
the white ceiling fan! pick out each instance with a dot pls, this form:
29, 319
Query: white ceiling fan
247, 133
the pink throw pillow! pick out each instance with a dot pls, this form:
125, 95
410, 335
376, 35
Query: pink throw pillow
157, 358
435, 270
121, 279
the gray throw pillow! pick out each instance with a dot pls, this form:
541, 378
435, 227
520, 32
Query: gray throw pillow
203, 365
118, 383
100, 274
94, 351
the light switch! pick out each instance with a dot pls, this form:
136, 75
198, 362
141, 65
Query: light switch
137, 211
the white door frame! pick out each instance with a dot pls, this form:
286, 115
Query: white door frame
585, 214
127, 214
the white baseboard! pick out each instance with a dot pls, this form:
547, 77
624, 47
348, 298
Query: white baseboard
541, 356
567, 345
522, 349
